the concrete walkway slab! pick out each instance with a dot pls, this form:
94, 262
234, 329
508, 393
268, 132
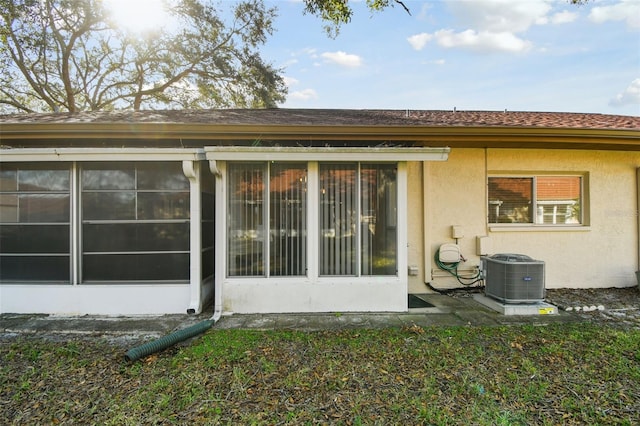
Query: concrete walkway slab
446, 311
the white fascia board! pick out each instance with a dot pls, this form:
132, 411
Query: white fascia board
244, 153
100, 154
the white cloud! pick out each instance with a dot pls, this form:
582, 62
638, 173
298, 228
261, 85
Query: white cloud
311, 51
438, 62
564, 17
625, 10
303, 95
419, 41
290, 81
343, 59
630, 96
483, 41
501, 15
493, 25
299, 95
290, 62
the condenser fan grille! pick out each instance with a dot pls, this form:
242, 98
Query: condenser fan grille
513, 278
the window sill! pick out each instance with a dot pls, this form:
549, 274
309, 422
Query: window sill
539, 228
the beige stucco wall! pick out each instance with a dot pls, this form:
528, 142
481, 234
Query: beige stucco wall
602, 254
415, 228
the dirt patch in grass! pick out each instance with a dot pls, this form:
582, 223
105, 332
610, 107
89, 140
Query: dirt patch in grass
617, 307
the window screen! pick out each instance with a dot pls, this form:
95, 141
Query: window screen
135, 222
35, 222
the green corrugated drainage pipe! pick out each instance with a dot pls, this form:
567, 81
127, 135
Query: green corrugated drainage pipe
168, 340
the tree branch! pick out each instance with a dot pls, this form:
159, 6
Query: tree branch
406, 9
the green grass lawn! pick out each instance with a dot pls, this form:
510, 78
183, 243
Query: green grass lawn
583, 374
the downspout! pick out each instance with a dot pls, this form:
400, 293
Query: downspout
191, 170
199, 328
221, 253
426, 224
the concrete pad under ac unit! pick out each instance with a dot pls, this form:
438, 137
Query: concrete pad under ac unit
538, 308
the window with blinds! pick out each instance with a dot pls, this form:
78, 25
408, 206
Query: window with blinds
268, 207
358, 218
261, 195
541, 200
338, 219
287, 220
378, 219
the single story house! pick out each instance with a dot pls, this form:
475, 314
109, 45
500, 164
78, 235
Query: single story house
291, 210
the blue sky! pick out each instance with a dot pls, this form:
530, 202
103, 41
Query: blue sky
519, 55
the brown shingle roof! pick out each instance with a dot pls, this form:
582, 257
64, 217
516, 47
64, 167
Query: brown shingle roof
338, 117
305, 127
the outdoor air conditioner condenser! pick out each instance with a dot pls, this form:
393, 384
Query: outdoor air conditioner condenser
513, 278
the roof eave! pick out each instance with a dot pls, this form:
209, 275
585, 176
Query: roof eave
453, 136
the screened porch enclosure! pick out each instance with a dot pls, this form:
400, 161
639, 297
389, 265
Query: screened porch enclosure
313, 229
109, 222
167, 230
109, 232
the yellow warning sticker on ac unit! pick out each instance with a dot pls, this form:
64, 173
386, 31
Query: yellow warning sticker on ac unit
545, 311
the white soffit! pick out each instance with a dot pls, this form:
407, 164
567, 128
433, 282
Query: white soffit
245, 153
